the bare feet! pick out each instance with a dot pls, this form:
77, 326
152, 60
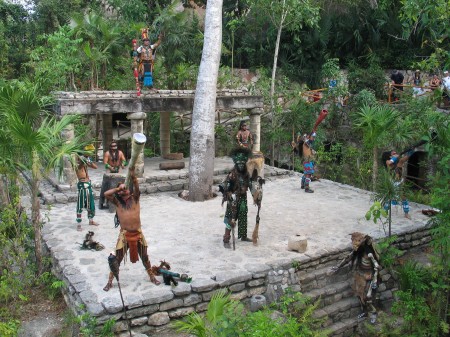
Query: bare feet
154, 280
79, 228
108, 286
407, 216
93, 223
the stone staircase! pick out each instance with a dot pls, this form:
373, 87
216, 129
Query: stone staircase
338, 306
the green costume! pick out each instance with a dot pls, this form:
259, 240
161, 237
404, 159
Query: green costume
234, 190
85, 200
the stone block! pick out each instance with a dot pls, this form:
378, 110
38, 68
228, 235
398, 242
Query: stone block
159, 318
176, 303
139, 321
192, 299
230, 277
201, 285
181, 312
182, 289
257, 302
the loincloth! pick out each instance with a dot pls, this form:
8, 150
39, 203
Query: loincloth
131, 241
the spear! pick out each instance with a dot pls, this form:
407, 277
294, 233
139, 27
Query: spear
114, 267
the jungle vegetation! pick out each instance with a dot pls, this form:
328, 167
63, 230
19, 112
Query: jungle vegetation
85, 45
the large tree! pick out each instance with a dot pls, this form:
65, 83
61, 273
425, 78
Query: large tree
291, 14
201, 167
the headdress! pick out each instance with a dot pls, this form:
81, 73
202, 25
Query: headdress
240, 154
89, 147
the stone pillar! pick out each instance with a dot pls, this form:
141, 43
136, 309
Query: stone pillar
69, 176
107, 131
137, 126
255, 127
164, 132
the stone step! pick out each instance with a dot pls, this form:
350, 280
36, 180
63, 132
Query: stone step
344, 328
52, 193
331, 293
346, 308
322, 277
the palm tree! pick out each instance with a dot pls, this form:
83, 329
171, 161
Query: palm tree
32, 140
201, 165
386, 191
376, 123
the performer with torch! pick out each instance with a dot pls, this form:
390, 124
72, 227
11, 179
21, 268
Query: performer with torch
128, 211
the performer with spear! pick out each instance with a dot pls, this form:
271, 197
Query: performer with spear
304, 147
234, 190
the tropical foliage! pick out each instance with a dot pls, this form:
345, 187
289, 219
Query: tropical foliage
289, 47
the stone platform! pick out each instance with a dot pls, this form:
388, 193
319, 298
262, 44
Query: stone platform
189, 236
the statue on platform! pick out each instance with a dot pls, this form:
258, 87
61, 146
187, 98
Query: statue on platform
143, 61
364, 259
244, 137
234, 190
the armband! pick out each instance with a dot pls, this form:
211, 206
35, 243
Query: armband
125, 163
107, 166
394, 160
89, 160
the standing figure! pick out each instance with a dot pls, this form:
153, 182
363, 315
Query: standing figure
435, 82
397, 84
85, 197
244, 137
393, 162
234, 189
308, 161
130, 237
114, 160
446, 88
304, 147
145, 57
366, 272
417, 90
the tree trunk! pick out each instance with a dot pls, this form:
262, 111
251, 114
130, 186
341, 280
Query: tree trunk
35, 213
374, 168
272, 87
201, 166
4, 196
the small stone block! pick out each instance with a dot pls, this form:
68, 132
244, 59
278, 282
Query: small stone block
297, 243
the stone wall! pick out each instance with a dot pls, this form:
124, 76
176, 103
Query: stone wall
152, 312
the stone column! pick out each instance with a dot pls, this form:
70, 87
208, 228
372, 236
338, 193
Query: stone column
255, 127
69, 176
137, 126
164, 132
107, 131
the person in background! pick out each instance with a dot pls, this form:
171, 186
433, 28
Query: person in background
397, 84
446, 88
435, 82
114, 160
